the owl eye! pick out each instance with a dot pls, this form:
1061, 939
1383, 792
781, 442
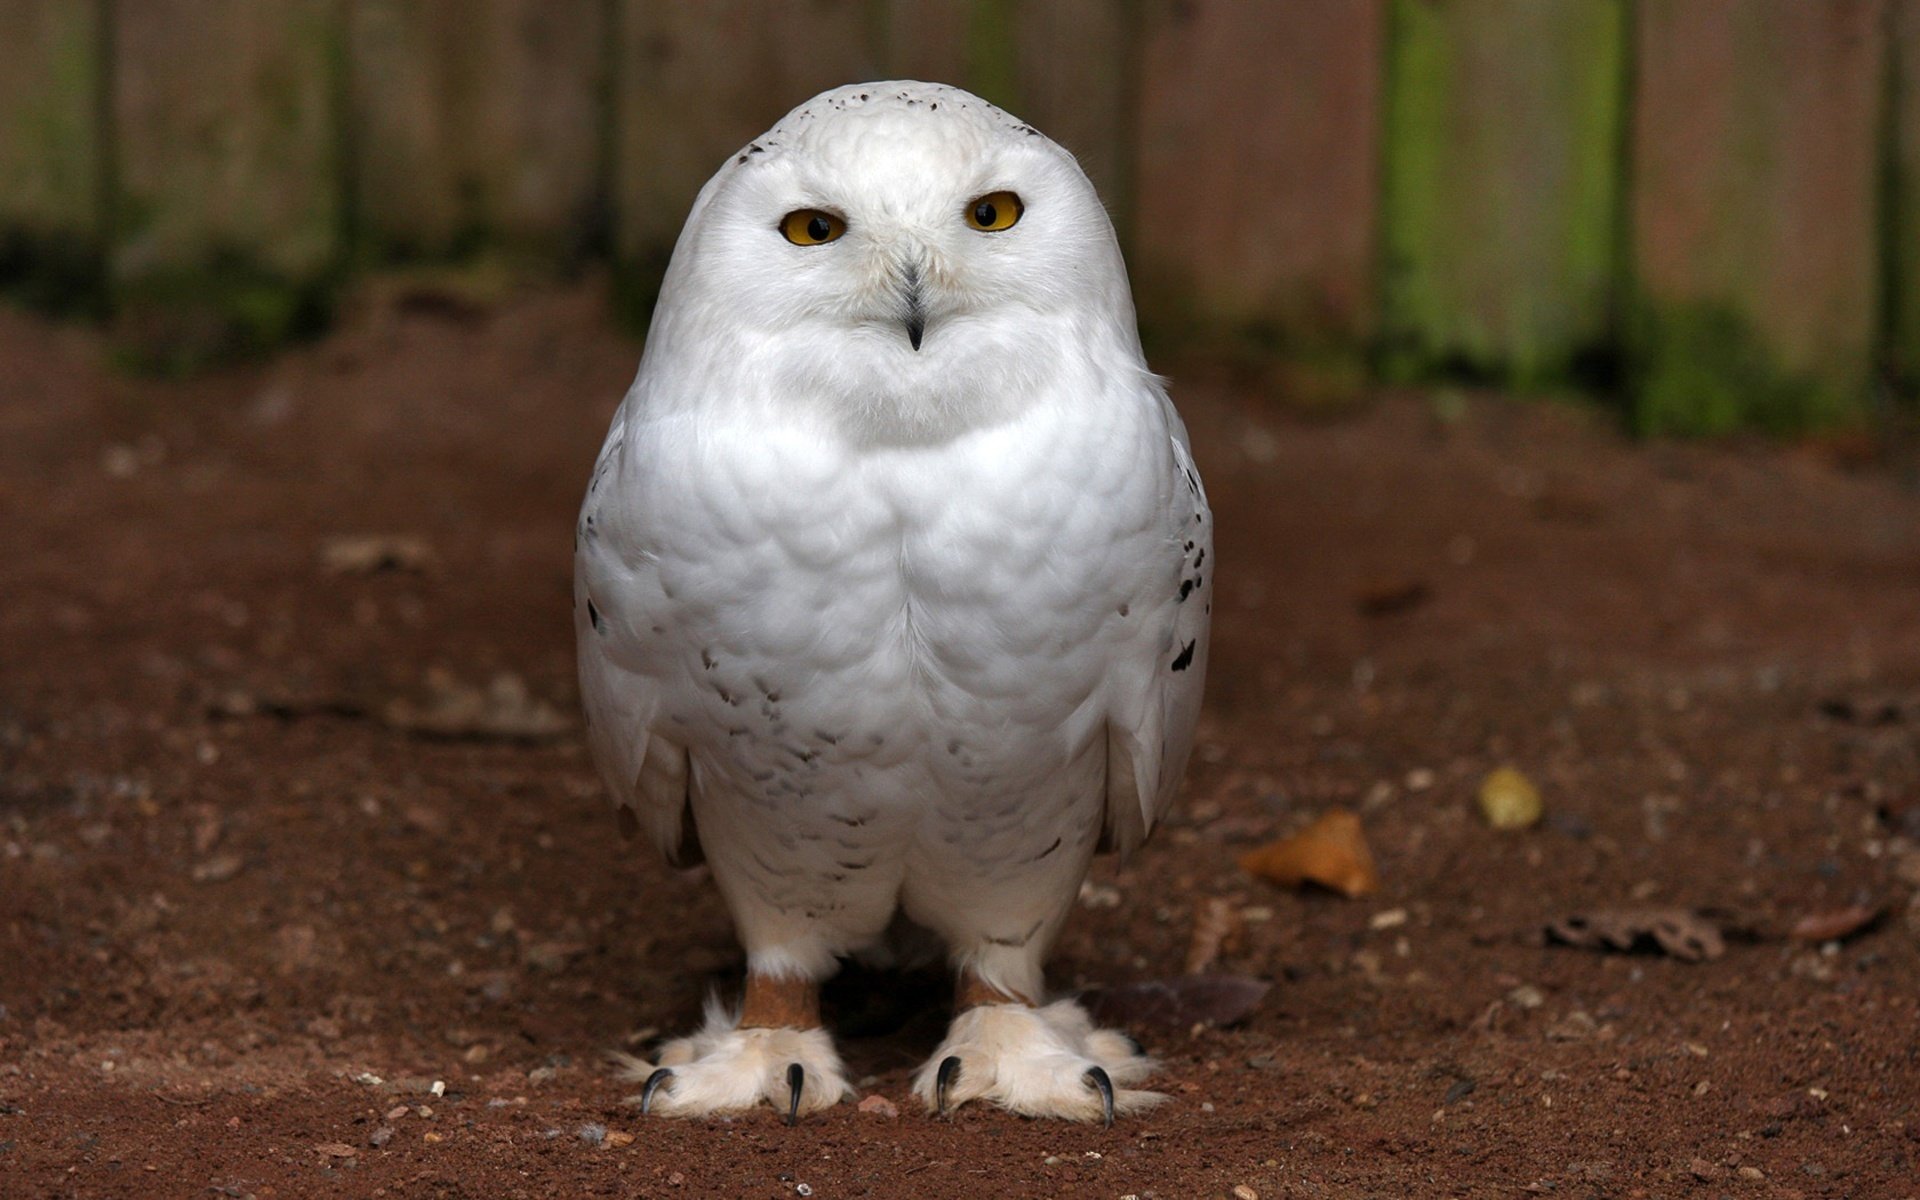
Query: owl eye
811, 227
995, 211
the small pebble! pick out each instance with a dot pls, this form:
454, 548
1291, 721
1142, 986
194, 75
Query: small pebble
218, 869
1242, 1192
380, 1136
1391, 918
879, 1105
591, 1133
1508, 800
617, 1137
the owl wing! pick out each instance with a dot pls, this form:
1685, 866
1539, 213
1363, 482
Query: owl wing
1160, 672
616, 585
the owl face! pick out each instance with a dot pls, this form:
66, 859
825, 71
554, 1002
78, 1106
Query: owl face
908, 247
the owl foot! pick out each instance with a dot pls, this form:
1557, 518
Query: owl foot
1039, 1062
725, 1069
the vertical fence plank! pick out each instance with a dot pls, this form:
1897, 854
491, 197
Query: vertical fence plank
1755, 165
50, 152
697, 82
1502, 177
227, 226
1903, 216
478, 123
1257, 175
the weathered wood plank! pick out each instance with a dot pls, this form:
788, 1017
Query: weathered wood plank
1258, 179
1755, 167
478, 123
51, 168
1502, 184
225, 137
1903, 267
693, 84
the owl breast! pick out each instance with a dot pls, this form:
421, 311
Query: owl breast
872, 647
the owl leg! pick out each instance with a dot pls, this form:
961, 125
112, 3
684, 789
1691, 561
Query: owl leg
1036, 1060
773, 1051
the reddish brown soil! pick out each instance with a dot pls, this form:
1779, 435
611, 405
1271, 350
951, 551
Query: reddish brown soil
216, 928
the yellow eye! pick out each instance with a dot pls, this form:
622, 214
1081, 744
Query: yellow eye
811, 227
995, 211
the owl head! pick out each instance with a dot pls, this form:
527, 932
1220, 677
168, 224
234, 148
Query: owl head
903, 254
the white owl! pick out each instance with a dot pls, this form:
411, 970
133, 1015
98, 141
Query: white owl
892, 589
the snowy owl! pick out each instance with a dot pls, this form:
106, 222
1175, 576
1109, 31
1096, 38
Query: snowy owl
892, 589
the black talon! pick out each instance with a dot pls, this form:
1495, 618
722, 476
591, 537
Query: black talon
943, 1079
1097, 1079
796, 1079
651, 1086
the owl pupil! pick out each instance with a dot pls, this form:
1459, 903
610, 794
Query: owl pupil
818, 229
985, 214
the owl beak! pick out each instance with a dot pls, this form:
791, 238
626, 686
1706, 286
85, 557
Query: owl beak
916, 315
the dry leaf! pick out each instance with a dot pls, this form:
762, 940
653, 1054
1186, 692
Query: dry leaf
453, 709
1836, 924
1678, 932
368, 554
1182, 1002
1217, 926
1331, 852
1508, 800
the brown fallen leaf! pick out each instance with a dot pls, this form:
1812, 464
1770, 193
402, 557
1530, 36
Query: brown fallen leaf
1217, 926
1836, 924
369, 554
1181, 1002
453, 709
1331, 852
1677, 932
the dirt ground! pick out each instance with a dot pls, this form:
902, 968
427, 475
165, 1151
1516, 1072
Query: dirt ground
261, 935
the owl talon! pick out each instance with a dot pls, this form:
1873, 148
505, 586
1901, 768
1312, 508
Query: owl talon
653, 1085
1039, 1062
1098, 1079
949, 1072
796, 1080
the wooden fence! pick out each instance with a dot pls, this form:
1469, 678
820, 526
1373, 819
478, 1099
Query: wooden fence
1711, 206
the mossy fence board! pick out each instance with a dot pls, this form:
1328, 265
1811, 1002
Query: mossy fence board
1502, 185
1756, 170
1719, 195
1902, 197
477, 125
52, 211
227, 221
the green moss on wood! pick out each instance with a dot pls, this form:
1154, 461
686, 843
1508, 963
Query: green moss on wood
178, 319
1502, 176
1704, 369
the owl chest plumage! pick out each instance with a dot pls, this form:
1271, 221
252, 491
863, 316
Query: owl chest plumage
866, 642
